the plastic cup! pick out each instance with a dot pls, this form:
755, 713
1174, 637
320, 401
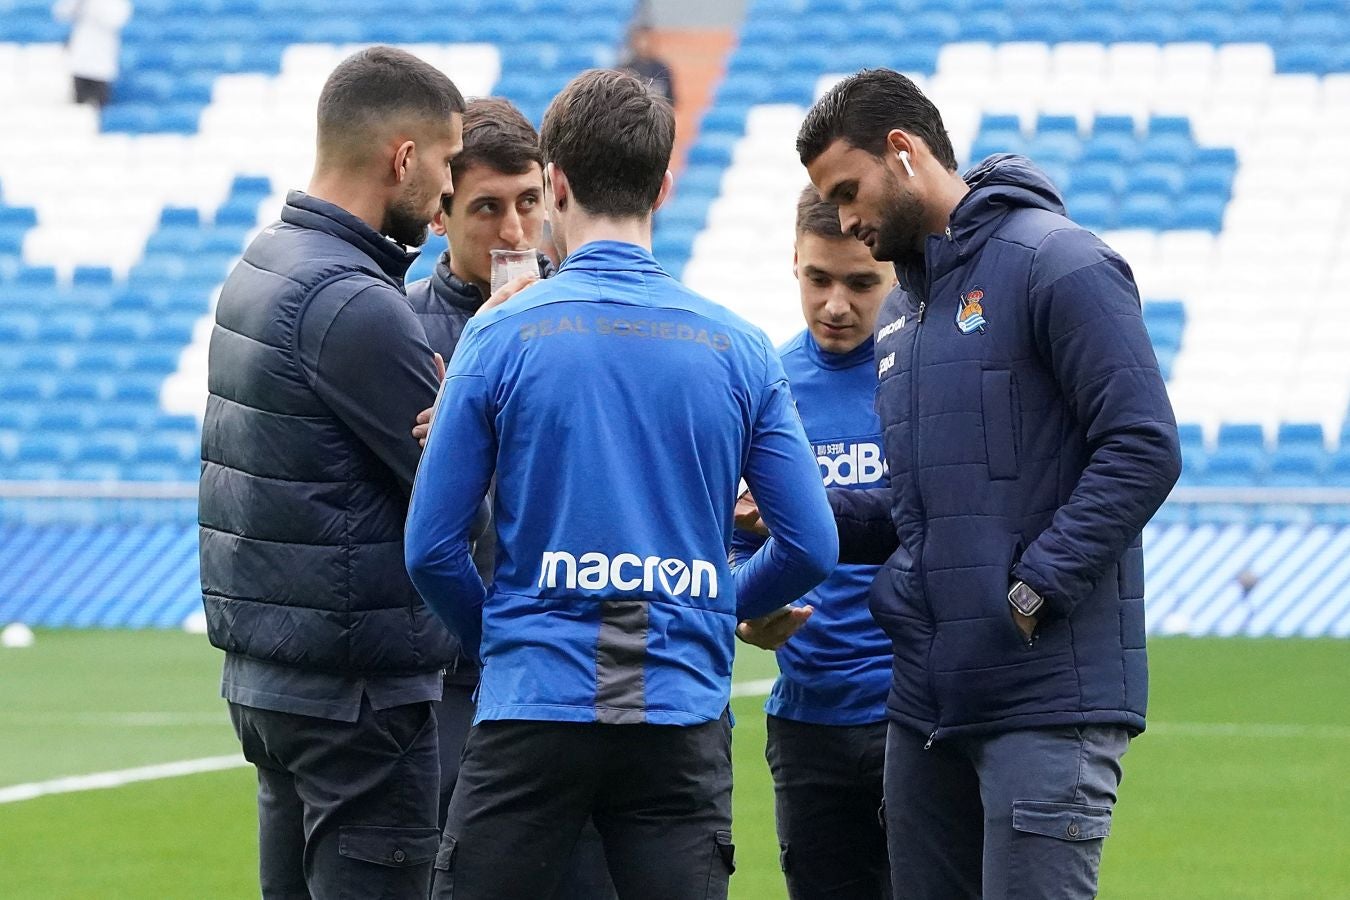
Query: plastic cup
509, 264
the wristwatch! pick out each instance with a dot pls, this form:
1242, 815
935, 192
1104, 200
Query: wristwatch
1024, 599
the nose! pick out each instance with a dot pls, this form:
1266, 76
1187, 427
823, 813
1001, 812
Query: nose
836, 302
848, 221
448, 188
512, 232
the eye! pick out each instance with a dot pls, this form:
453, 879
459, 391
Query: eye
820, 280
488, 209
529, 202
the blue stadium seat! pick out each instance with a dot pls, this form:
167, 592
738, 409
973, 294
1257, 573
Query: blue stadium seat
1099, 28
1255, 27
1151, 28
1232, 468
1206, 27
1094, 211
1293, 470
18, 217
1199, 212
1241, 436
1155, 179
993, 27
1099, 178
1144, 211
1337, 470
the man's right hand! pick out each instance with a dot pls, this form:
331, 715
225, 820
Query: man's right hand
507, 291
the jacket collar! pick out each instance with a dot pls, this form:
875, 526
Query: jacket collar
305, 211
998, 185
600, 256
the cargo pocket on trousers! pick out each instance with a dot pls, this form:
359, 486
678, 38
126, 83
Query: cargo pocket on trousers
720, 867
1056, 848
382, 848
444, 877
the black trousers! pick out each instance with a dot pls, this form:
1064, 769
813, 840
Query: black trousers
87, 90
660, 797
586, 875
827, 784
345, 809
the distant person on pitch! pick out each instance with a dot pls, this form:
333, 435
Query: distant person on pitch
318, 367
94, 46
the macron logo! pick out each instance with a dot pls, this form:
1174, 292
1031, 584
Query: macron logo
890, 329
628, 572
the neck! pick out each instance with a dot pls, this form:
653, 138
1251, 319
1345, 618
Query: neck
948, 194
483, 287
345, 190
582, 228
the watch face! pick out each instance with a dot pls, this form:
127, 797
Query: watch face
1025, 599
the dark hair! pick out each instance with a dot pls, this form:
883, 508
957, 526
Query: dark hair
375, 85
863, 108
817, 216
613, 137
498, 136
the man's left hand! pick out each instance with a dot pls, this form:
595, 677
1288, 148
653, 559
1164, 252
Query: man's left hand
773, 630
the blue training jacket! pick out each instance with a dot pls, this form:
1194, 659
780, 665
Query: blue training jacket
1029, 436
837, 669
618, 411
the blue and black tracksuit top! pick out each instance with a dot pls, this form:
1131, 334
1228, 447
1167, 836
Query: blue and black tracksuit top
618, 411
836, 670
1029, 436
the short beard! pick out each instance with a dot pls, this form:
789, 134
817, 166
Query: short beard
902, 230
404, 224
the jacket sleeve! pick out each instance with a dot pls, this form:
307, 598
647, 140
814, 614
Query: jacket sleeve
1087, 325
365, 354
866, 533
785, 478
452, 481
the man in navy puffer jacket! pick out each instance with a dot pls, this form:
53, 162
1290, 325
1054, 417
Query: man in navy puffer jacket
1030, 439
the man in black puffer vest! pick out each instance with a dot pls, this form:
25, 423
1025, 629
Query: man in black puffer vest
498, 204
318, 368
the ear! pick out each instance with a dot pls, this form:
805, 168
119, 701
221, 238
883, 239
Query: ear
667, 182
794, 263
898, 140
556, 181
403, 160
438, 223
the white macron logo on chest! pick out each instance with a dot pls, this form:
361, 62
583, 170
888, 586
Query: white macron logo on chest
890, 329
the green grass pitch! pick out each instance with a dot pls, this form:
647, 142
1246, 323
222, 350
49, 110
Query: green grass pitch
1240, 789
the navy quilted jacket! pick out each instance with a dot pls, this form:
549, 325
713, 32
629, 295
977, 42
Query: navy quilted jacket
1029, 437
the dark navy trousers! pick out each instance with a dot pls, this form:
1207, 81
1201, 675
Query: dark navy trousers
827, 786
1020, 815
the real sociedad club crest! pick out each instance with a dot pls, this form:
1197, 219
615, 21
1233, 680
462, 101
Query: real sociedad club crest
970, 314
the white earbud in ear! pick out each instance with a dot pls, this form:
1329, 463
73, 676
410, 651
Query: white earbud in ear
903, 156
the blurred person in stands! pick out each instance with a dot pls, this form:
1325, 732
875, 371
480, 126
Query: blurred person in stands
1030, 439
94, 45
641, 60
827, 709
498, 204
318, 367
624, 409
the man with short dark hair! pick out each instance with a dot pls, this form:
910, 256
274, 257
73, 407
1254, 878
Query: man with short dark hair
827, 710
318, 367
625, 409
498, 204
1030, 439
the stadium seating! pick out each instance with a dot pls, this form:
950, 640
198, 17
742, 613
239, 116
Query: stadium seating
1202, 139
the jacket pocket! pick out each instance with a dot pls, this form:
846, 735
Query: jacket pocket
998, 401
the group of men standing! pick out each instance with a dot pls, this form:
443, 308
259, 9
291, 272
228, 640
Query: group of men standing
499, 666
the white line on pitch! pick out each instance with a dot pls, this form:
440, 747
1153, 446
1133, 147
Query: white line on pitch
758, 688
99, 780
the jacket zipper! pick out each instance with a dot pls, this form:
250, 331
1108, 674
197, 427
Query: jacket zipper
914, 468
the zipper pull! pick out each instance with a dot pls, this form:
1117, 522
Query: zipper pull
922, 305
931, 738
949, 232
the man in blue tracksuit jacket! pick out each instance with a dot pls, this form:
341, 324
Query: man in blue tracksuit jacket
625, 410
498, 203
1030, 439
827, 710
